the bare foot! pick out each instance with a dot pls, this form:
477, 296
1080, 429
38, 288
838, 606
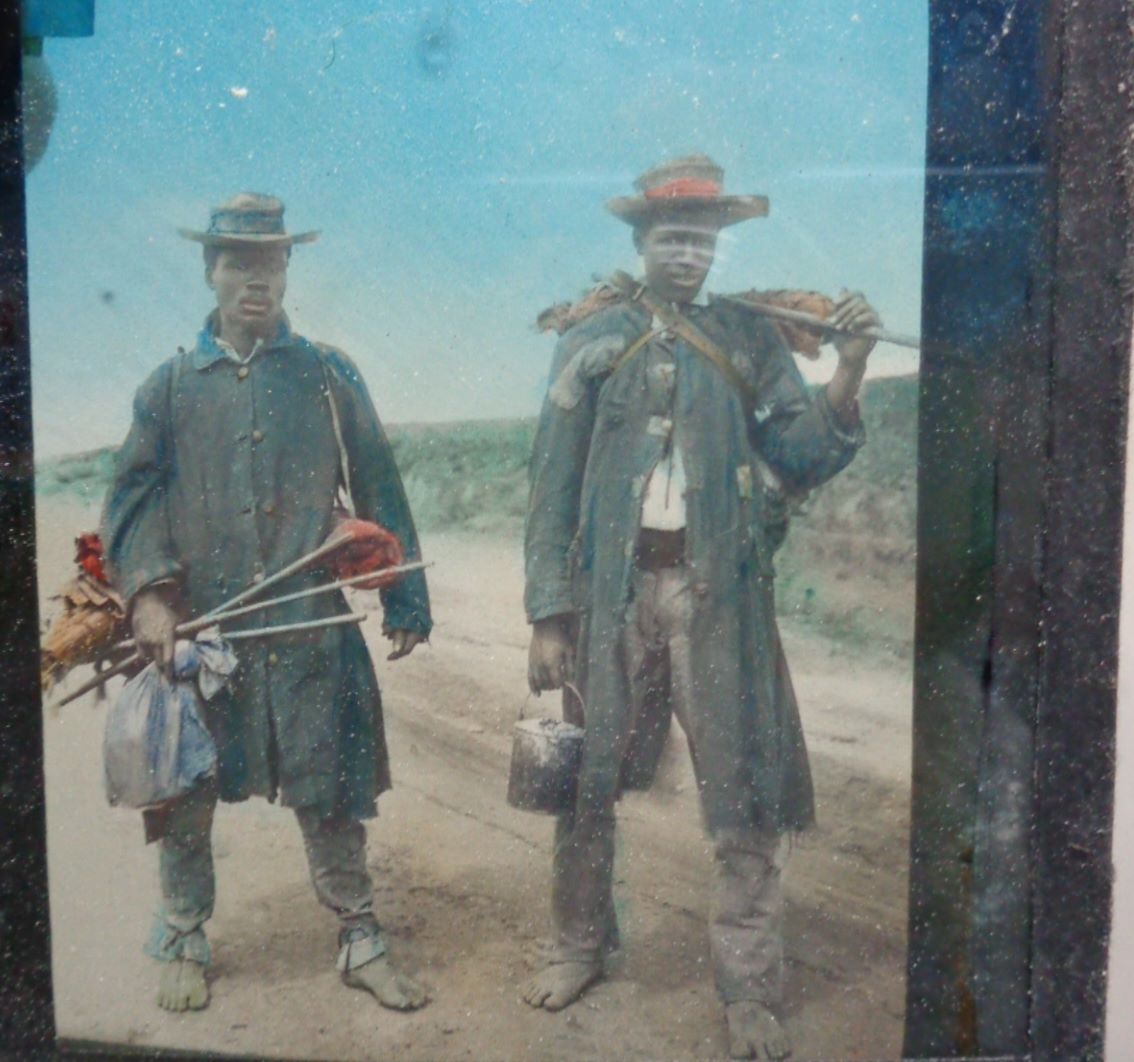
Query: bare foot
398, 991
182, 986
755, 1032
559, 984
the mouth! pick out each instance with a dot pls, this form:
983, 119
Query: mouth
254, 306
685, 277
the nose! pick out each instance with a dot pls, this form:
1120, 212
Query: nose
688, 253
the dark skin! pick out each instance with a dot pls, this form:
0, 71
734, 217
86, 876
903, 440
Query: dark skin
249, 281
677, 256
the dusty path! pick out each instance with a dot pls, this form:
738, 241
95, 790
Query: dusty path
462, 877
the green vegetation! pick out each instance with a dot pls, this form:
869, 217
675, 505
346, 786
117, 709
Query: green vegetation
83, 476
470, 475
847, 566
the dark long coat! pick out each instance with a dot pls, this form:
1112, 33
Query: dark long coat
229, 473
601, 432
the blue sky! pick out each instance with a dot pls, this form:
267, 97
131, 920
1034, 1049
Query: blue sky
455, 157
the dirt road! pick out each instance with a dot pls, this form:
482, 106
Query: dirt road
462, 879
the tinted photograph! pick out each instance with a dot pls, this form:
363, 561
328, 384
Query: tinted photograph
476, 462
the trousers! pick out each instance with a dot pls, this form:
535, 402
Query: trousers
336, 859
746, 923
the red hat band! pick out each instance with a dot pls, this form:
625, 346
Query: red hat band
685, 188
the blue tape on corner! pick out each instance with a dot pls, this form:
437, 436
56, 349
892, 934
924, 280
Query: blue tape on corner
58, 18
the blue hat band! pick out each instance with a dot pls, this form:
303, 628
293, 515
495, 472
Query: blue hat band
246, 222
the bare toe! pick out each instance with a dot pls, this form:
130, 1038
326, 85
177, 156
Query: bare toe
195, 990
392, 989
413, 994
533, 992
755, 1032
182, 986
560, 984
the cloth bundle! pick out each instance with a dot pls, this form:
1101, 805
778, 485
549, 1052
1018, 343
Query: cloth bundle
156, 746
371, 549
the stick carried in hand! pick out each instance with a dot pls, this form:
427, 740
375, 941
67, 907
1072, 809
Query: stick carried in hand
291, 628
212, 619
332, 544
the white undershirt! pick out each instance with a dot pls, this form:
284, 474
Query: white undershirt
663, 500
663, 503
233, 354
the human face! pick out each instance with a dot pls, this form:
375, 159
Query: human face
249, 283
677, 257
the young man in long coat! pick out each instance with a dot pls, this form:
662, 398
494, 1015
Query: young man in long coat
655, 498
231, 470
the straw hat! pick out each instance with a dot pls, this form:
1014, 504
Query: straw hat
689, 187
248, 218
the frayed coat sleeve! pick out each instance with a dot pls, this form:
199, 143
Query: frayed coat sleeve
559, 459
135, 530
798, 434
377, 491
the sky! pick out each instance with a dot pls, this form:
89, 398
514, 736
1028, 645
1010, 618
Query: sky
455, 158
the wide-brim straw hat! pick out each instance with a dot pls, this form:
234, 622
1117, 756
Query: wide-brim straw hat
248, 219
688, 189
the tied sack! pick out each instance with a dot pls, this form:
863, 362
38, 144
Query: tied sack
370, 549
156, 746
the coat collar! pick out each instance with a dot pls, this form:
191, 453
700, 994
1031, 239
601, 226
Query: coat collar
209, 351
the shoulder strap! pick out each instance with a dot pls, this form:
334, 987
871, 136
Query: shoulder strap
688, 331
176, 368
633, 349
707, 348
336, 423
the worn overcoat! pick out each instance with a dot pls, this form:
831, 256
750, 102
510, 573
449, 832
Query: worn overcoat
229, 473
603, 428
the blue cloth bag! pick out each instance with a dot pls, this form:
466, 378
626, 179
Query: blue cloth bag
156, 746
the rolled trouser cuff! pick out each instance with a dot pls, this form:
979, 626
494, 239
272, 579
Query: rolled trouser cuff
359, 946
168, 944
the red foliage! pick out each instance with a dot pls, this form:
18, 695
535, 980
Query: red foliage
371, 549
89, 556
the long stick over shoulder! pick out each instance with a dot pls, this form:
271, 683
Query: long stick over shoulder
812, 321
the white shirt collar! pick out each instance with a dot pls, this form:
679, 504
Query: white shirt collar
234, 355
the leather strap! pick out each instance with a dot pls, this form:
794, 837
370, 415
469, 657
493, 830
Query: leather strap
688, 331
346, 498
701, 343
633, 349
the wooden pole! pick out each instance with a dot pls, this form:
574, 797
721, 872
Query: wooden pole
329, 546
259, 632
813, 321
214, 618
289, 628
332, 544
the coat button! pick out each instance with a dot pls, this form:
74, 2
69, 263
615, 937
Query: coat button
268, 508
257, 436
258, 577
273, 659
242, 372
